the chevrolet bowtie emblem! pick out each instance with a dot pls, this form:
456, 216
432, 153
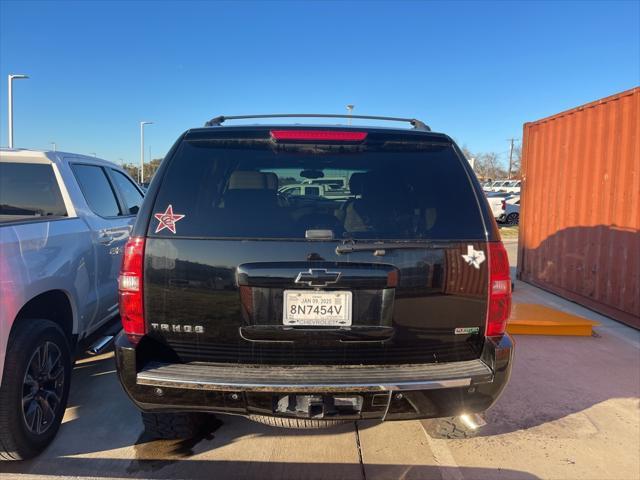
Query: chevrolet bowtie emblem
318, 277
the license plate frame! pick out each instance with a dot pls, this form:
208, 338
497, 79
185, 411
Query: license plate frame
317, 317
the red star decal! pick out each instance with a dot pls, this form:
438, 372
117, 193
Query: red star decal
167, 220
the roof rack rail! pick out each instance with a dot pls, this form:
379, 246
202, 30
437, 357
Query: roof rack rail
217, 121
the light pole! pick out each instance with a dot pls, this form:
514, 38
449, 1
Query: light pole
350, 110
142, 124
54, 146
511, 155
11, 77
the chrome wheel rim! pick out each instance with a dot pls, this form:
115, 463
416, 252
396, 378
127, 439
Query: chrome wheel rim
42, 388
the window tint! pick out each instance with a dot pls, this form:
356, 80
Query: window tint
29, 190
97, 190
393, 190
132, 196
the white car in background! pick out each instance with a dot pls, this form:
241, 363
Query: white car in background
510, 211
486, 186
496, 200
498, 185
512, 186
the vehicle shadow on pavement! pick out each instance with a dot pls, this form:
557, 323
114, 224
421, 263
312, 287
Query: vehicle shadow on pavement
242, 469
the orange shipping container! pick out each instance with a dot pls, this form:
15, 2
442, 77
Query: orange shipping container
580, 205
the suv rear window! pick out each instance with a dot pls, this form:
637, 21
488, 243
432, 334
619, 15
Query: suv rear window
29, 190
262, 191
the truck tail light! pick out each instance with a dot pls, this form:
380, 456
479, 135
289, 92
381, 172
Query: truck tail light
499, 290
130, 290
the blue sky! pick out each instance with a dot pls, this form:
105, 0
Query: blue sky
474, 70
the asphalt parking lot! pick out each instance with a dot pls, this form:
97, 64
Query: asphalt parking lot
571, 411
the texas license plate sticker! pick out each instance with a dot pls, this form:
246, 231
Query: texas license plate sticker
314, 308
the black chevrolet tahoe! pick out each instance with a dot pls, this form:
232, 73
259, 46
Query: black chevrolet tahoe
384, 298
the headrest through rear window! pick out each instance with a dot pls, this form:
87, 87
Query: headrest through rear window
356, 183
247, 180
272, 180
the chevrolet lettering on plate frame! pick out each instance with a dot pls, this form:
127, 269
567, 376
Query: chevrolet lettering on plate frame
316, 308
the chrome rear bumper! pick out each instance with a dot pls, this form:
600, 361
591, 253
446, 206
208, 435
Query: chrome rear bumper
360, 378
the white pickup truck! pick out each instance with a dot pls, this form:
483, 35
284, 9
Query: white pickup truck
64, 221
313, 190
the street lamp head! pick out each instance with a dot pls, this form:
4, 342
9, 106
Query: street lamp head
146, 123
17, 76
350, 107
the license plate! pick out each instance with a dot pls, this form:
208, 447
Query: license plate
313, 308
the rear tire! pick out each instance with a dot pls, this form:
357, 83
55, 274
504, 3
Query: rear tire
449, 428
37, 372
175, 426
512, 219
297, 423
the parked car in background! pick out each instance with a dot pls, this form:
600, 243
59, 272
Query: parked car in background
64, 221
332, 183
487, 186
389, 304
303, 190
498, 185
510, 211
495, 200
312, 191
512, 186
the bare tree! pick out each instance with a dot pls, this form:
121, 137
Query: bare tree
467, 153
488, 166
149, 169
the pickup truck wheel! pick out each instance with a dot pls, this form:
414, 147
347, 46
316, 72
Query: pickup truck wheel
300, 423
174, 426
449, 428
35, 388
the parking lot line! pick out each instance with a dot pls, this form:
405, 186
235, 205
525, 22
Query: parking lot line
443, 457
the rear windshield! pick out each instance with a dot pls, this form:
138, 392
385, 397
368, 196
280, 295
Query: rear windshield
264, 191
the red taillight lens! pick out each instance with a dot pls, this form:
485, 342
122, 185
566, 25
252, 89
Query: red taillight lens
499, 290
318, 135
504, 204
130, 290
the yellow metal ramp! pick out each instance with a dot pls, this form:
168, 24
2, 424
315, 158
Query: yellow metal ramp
535, 319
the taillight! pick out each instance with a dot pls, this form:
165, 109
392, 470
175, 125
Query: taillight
130, 290
318, 135
504, 204
499, 290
